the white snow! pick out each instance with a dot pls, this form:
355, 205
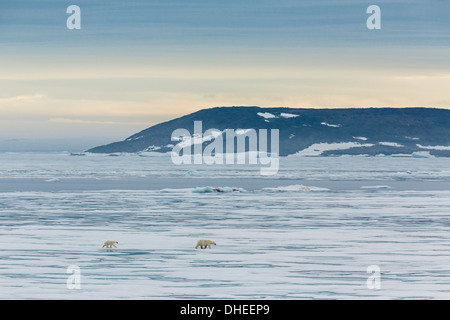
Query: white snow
266, 115
295, 187
360, 138
288, 115
273, 241
153, 148
136, 138
330, 125
196, 138
391, 144
318, 148
180, 138
434, 147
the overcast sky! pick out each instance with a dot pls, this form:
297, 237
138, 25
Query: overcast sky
135, 63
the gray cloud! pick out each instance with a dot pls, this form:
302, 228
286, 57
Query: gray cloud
263, 23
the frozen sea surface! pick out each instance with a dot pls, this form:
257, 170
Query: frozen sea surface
310, 232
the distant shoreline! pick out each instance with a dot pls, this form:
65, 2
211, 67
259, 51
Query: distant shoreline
65, 184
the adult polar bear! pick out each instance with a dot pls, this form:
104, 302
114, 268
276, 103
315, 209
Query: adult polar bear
202, 243
110, 244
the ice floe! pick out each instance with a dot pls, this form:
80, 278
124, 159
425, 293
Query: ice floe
295, 187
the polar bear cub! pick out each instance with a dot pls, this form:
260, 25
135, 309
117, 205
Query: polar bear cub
204, 243
110, 244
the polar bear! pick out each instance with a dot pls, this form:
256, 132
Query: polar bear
110, 244
204, 243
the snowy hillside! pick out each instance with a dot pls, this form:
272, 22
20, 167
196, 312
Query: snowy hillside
310, 132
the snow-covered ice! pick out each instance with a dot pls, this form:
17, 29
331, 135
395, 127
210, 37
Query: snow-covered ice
309, 232
295, 187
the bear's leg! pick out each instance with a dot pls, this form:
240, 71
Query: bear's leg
114, 246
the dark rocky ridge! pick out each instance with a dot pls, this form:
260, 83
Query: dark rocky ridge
409, 128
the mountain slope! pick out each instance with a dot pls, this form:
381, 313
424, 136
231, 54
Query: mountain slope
315, 131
